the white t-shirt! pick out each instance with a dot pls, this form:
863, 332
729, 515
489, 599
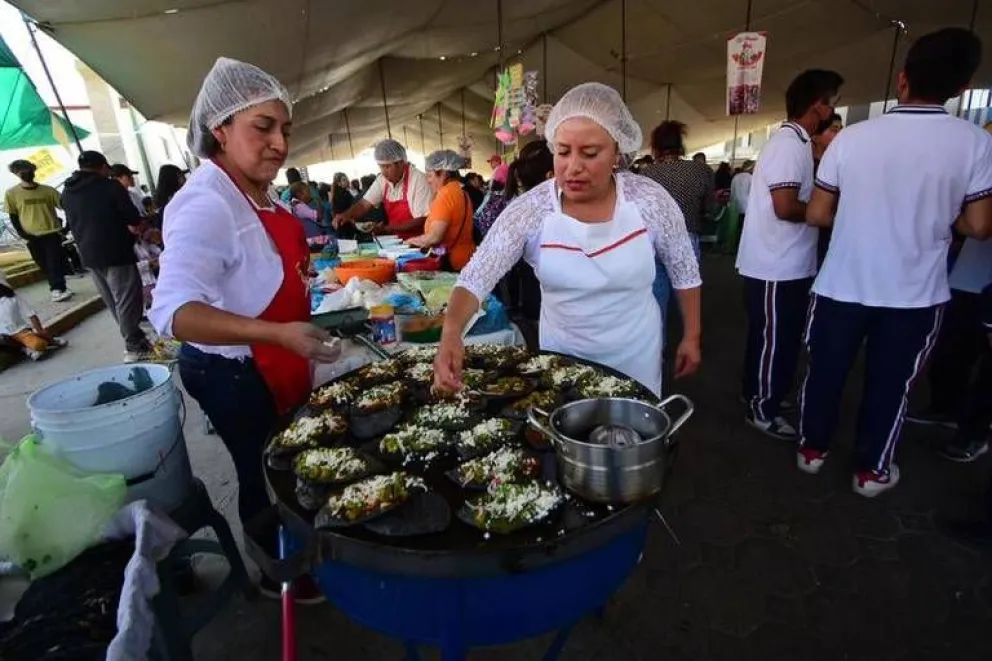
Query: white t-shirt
14, 315
902, 180
771, 248
418, 194
740, 189
972, 271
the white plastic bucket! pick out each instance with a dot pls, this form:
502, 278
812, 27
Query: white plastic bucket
139, 437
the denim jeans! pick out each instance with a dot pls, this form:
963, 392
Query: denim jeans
662, 286
240, 407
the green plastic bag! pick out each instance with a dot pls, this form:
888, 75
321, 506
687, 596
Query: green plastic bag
50, 511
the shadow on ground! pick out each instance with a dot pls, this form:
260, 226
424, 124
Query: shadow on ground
774, 563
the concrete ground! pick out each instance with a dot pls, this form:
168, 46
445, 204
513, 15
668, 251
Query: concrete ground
774, 563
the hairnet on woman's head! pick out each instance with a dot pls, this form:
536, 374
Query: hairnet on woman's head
230, 87
444, 159
603, 105
389, 151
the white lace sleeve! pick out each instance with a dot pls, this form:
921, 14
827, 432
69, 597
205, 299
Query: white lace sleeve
666, 227
505, 242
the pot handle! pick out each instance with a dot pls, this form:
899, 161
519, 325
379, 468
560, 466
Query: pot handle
545, 429
689, 410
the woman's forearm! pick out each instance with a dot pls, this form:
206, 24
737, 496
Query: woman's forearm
461, 306
689, 302
205, 324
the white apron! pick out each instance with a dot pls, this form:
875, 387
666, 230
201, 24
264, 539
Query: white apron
596, 292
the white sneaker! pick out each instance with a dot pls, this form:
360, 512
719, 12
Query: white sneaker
871, 483
810, 461
61, 296
34, 355
776, 428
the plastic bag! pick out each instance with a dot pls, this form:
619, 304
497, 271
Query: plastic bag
50, 511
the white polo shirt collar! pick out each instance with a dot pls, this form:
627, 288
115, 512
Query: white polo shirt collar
917, 109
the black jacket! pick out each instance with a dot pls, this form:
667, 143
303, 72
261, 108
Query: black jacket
99, 212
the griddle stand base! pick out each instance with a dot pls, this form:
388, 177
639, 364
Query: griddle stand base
449, 653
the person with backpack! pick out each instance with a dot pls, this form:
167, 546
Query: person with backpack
449, 221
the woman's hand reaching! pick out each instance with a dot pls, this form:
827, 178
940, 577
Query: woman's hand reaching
687, 358
448, 364
309, 341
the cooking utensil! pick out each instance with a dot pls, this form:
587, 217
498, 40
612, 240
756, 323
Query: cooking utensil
612, 450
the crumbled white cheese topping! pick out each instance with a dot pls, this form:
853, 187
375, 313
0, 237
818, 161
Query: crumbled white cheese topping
420, 353
483, 432
501, 465
421, 372
608, 386
512, 502
303, 430
374, 489
336, 460
540, 363
386, 393
562, 375
339, 391
443, 413
382, 368
414, 438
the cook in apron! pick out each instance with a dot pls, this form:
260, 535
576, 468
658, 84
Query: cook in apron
596, 292
398, 211
285, 373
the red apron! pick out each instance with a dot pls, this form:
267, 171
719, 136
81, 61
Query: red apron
285, 373
399, 211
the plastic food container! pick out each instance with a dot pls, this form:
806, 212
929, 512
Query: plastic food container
379, 271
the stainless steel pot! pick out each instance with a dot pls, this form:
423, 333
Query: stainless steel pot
612, 450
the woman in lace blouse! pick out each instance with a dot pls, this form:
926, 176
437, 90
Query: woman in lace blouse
592, 237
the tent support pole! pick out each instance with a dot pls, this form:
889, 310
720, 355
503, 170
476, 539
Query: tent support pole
330, 144
971, 26
51, 81
499, 60
440, 126
464, 133
385, 106
347, 127
897, 27
668, 103
623, 49
423, 140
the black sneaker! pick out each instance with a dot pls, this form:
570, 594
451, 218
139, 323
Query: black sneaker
305, 590
963, 451
776, 428
932, 418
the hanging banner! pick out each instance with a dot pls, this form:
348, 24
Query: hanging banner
515, 104
745, 62
48, 166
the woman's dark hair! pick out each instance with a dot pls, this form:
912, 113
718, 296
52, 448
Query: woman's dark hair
529, 169
669, 138
324, 192
827, 123
940, 64
809, 87
210, 145
293, 176
170, 180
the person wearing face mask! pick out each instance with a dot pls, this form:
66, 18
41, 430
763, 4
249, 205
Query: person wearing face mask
31, 207
591, 235
401, 190
233, 280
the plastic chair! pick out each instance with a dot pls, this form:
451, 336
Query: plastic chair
175, 625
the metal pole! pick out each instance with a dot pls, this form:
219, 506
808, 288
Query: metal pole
747, 17
440, 127
544, 66
971, 26
51, 81
499, 58
330, 143
463, 113
385, 106
406, 138
623, 49
423, 140
668, 103
897, 31
141, 148
347, 127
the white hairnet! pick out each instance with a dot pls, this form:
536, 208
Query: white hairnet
389, 151
444, 159
230, 87
603, 105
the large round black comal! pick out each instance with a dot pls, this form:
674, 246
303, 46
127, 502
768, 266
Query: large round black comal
460, 550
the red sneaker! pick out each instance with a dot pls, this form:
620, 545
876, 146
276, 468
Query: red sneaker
871, 483
810, 461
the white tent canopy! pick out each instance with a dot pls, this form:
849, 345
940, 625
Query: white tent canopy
336, 57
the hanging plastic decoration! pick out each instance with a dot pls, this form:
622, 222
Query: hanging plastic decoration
541, 114
465, 145
514, 111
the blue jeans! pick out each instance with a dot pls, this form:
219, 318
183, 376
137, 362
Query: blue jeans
240, 407
662, 286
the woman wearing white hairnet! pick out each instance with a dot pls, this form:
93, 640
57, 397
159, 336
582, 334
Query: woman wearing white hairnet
233, 280
449, 222
592, 237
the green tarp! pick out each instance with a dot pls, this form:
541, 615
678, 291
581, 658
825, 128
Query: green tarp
25, 120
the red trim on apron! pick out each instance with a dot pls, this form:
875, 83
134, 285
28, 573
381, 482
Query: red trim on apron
398, 211
285, 373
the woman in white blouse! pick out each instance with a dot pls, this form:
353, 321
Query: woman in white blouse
592, 237
233, 281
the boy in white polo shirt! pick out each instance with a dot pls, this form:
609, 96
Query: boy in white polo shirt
777, 255
891, 188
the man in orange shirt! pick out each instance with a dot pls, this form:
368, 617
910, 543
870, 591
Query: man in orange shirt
448, 228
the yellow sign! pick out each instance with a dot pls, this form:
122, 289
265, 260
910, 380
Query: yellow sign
48, 165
